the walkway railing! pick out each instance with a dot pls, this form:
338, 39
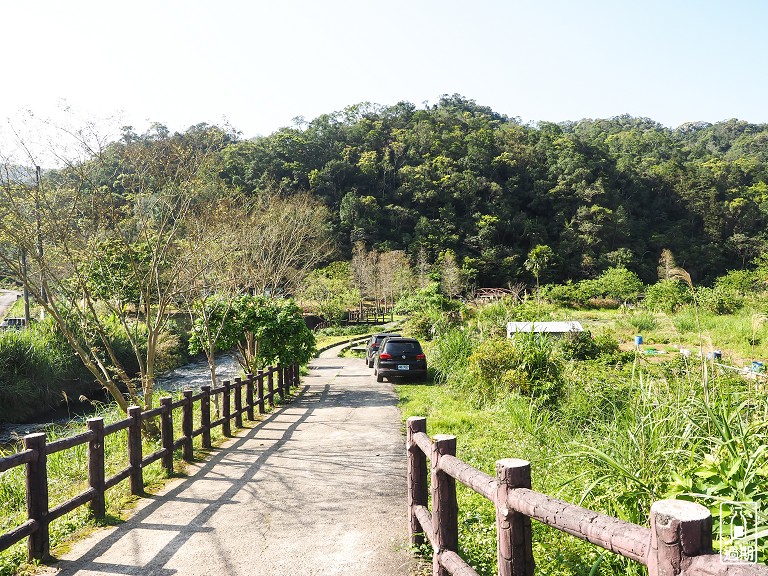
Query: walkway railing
39, 512
679, 540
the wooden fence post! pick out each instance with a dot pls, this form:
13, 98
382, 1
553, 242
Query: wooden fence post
96, 475
226, 427
166, 433
205, 415
271, 385
38, 543
296, 375
238, 402
418, 489
260, 390
445, 513
134, 450
513, 529
187, 451
281, 381
249, 396
680, 530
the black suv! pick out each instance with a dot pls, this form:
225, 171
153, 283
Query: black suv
372, 346
400, 357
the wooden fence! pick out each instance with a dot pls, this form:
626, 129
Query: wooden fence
679, 540
370, 315
277, 380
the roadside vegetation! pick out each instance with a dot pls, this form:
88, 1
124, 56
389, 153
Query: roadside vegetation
605, 423
144, 248
66, 478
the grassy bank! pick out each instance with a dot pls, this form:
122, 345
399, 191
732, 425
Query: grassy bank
39, 371
67, 477
608, 429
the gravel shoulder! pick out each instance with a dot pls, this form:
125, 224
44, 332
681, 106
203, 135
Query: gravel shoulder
316, 488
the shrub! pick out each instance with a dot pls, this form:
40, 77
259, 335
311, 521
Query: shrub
428, 298
525, 364
741, 281
561, 294
578, 346
719, 300
582, 346
423, 325
667, 296
352, 330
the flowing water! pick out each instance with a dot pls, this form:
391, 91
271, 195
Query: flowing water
191, 376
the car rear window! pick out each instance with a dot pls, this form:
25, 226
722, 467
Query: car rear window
403, 348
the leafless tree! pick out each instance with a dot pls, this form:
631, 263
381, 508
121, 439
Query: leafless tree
113, 220
281, 240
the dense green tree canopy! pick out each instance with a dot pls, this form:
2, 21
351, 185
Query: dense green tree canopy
458, 176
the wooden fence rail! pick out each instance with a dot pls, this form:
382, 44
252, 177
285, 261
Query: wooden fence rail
370, 315
679, 540
36, 449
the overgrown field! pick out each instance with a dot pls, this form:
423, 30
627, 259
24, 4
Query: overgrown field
603, 425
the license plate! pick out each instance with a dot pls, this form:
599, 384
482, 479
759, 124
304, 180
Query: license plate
403, 367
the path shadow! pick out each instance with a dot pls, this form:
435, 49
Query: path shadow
104, 556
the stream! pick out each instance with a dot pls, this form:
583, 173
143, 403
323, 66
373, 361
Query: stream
192, 376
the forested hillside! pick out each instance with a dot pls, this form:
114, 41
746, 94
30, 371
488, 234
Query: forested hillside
460, 176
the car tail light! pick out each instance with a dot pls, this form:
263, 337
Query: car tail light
420, 357
385, 356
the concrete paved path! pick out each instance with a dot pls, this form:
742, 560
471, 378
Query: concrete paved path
7, 299
318, 487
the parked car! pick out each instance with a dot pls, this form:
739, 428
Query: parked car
400, 357
13, 324
372, 346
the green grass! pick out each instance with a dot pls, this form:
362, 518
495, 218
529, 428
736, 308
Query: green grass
513, 428
626, 430
742, 336
67, 477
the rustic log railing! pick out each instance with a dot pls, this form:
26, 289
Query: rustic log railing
679, 540
370, 315
39, 512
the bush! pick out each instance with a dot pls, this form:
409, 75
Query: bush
616, 283
719, 300
428, 298
742, 282
423, 325
561, 294
525, 364
352, 330
582, 346
667, 296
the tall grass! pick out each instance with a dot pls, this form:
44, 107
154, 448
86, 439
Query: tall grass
626, 430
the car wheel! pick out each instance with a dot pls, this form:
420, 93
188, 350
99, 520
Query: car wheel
379, 378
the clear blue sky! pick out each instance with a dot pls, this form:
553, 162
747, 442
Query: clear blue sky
258, 64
